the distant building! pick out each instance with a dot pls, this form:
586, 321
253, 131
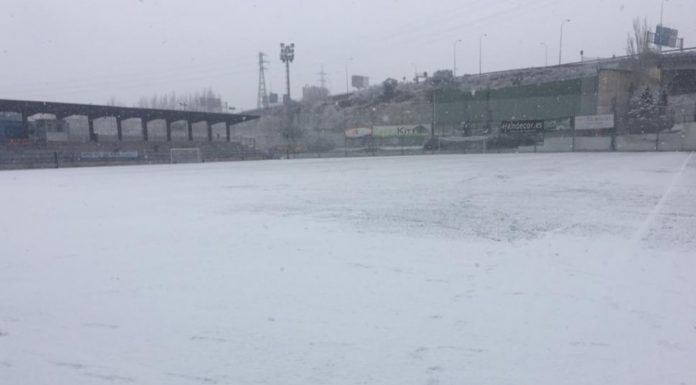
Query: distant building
314, 94
360, 82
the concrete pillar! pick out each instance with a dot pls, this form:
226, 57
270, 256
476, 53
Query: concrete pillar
143, 126
119, 128
169, 130
92, 134
25, 122
209, 127
228, 133
190, 130
61, 120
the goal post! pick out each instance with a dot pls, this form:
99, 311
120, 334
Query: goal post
185, 155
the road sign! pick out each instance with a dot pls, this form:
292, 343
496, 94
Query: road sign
666, 37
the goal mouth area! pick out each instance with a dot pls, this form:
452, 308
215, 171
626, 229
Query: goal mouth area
185, 155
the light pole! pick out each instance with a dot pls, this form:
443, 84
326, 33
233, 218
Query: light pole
347, 82
481, 53
662, 12
454, 55
546, 54
560, 46
287, 55
662, 16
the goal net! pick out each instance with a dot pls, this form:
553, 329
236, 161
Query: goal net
185, 155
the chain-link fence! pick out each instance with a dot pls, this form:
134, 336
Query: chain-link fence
13, 156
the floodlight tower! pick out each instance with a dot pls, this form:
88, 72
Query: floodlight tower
287, 56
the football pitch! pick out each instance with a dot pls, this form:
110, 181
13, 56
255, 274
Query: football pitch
477, 269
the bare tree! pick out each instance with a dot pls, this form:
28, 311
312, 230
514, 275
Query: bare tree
637, 42
143, 102
206, 100
112, 101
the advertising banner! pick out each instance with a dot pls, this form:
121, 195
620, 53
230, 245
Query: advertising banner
594, 122
521, 126
401, 131
358, 132
103, 155
360, 82
667, 37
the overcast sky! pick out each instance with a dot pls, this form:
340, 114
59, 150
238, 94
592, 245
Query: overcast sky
91, 50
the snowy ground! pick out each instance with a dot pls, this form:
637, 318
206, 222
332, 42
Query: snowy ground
490, 269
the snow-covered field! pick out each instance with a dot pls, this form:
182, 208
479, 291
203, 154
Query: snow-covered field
490, 269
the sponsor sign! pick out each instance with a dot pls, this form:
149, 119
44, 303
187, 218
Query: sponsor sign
594, 122
57, 136
557, 124
100, 155
521, 126
358, 132
360, 82
667, 37
401, 131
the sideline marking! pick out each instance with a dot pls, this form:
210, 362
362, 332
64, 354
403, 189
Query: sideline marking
642, 231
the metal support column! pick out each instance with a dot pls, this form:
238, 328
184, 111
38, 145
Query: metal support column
169, 130
209, 127
574, 134
228, 133
25, 121
92, 134
119, 128
432, 117
189, 126
143, 126
616, 124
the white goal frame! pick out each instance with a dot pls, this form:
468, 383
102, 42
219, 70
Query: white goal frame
185, 155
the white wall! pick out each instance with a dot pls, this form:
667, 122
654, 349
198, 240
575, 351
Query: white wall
644, 142
592, 143
683, 106
56, 136
673, 141
556, 145
689, 136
